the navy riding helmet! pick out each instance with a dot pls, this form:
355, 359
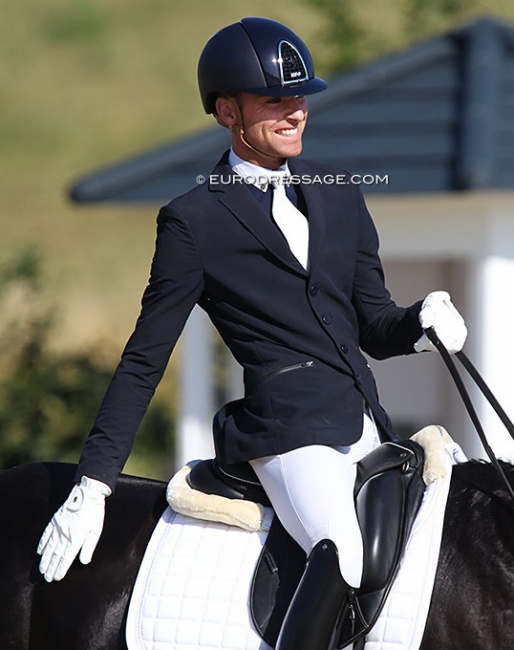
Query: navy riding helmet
256, 55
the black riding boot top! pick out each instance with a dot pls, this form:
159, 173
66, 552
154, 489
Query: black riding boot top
312, 620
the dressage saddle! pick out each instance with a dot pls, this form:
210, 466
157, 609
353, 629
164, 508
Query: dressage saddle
388, 492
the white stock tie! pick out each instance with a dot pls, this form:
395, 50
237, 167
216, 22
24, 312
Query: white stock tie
291, 222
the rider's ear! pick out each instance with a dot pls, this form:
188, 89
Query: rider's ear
225, 111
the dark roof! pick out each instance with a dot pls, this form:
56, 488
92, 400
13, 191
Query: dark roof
436, 117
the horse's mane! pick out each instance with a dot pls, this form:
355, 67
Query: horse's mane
479, 505
481, 477
472, 598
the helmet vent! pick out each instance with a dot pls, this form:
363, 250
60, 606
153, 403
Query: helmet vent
292, 66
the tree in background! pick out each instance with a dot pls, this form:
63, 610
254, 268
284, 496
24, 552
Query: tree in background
48, 400
353, 32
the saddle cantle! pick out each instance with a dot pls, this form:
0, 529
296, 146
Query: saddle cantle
231, 481
388, 492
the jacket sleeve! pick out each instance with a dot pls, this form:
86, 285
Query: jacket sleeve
175, 285
386, 330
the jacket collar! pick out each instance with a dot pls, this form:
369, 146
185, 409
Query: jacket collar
238, 200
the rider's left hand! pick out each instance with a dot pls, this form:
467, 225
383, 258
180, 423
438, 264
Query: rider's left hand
439, 312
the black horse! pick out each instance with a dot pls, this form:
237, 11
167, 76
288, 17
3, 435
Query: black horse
472, 605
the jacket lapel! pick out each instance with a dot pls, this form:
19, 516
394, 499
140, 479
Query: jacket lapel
238, 200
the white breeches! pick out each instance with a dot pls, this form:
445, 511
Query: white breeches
311, 490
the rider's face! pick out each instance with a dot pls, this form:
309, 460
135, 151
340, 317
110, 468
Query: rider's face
273, 125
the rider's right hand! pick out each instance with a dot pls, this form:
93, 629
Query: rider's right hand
75, 527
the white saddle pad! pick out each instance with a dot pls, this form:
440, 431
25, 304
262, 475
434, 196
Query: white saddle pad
193, 588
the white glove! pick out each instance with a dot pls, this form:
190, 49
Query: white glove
76, 526
438, 311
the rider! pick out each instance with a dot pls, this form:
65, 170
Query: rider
295, 308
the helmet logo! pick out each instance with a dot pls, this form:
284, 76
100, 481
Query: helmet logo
292, 67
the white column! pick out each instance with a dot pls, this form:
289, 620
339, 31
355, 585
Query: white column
235, 388
196, 405
493, 345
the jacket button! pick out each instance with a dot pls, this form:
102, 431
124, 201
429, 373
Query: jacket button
359, 379
313, 290
344, 348
327, 318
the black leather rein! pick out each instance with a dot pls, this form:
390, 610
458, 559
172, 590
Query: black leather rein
479, 381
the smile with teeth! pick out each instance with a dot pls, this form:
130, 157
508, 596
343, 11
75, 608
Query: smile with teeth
288, 132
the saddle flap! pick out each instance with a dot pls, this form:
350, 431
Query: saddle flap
387, 504
381, 529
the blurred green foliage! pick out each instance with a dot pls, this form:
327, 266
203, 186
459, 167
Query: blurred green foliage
86, 83
353, 32
76, 22
48, 399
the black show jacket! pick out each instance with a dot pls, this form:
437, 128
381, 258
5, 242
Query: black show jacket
298, 334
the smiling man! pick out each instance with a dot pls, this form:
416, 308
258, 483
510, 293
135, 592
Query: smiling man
273, 125
289, 274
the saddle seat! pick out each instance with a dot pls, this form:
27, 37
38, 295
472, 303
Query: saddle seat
388, 492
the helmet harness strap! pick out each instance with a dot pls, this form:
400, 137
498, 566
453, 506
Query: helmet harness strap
239, 129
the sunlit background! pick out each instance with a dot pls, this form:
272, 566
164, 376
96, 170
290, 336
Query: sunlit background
85, 83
